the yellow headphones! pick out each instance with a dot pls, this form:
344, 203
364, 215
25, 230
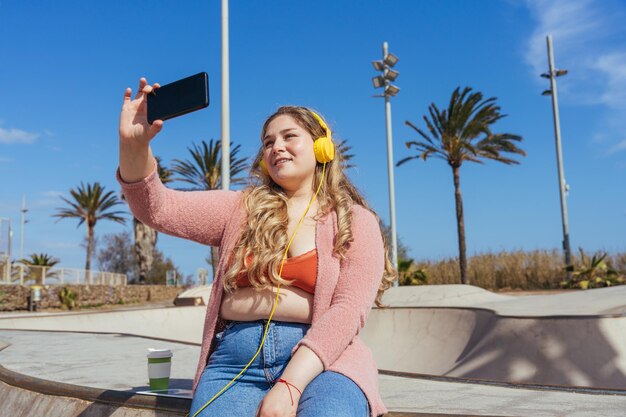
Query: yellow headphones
323, 146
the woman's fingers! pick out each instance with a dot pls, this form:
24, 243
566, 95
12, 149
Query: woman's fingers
127, 94
142, 84
155, 128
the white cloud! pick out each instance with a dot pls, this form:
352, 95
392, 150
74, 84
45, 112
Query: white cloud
613, 67
589, 39
50, 198
59, 245
621, 146
52, 193
572, 24
8, 136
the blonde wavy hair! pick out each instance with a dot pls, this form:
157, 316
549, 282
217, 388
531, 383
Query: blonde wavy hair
265, 235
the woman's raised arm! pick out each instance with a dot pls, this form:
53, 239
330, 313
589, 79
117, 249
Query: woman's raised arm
200, 216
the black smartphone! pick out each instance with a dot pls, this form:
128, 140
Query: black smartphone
178, 98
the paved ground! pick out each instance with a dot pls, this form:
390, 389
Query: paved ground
445, 330
118, 362
110, 361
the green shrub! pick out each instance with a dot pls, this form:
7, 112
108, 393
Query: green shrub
593, 272
67, 298
410, 274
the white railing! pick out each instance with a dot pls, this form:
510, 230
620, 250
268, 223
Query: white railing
30, 274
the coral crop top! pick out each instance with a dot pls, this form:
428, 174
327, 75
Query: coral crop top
302, 268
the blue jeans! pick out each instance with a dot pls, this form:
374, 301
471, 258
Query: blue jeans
329, 394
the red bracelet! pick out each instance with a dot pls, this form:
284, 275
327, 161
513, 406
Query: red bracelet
288, 387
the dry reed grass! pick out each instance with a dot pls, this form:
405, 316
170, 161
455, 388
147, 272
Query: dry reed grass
526, 270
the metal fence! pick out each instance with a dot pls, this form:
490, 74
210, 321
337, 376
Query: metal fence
30, 274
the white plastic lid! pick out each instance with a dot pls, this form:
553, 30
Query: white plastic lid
159, 353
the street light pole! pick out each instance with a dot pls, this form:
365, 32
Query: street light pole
392, 193
225, 100
389, 90
24, 221
7, 267
553, 73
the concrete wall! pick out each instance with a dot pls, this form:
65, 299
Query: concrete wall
15, 297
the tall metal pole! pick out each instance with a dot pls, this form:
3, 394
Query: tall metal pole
225, 100
9, 260
392, 195
22, 226
559, 157
7, 268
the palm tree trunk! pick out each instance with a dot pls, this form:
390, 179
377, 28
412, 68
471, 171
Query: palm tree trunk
90, 233
460, 222
145, 241
214, 260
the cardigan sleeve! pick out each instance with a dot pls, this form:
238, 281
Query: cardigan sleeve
360, 276
200, 216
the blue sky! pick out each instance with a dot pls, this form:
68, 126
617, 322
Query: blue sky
65, 66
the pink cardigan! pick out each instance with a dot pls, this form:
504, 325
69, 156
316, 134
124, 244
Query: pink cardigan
344, 290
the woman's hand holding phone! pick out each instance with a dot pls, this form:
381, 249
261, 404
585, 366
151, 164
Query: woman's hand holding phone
136, 133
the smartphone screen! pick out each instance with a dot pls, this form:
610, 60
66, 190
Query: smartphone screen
178, 98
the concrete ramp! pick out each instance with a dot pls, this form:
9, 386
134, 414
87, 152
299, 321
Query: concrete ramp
574, 339
181, 324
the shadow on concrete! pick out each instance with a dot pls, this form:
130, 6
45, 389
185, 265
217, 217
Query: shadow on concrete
175, 383
109, 402
567, 351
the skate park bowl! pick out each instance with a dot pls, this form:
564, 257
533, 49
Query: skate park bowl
440, 350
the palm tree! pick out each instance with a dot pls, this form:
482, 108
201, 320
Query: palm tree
463, 133
145, 236
38, 264
342, 148
90, 205
204, 172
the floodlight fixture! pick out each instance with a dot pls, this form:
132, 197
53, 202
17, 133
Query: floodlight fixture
378, 65
559, 72
378, 81
391, 90
391, 75
546, 93
545, 75
391, 59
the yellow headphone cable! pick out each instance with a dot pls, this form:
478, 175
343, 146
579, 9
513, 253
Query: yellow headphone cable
275, 301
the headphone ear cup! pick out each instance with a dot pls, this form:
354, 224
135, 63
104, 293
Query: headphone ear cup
324, 149
264, 168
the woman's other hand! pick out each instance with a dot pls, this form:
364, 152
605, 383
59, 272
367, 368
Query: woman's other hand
134, 126
278, 403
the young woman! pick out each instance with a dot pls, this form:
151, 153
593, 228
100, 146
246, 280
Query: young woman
299, 247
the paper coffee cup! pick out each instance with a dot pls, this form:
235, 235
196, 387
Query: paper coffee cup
159, 368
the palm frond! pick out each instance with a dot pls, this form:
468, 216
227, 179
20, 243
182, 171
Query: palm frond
343, 150
90, 203
463, 131
204, 170
165, 174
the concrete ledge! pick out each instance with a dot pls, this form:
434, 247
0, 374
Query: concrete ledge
16, 390
174, 406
